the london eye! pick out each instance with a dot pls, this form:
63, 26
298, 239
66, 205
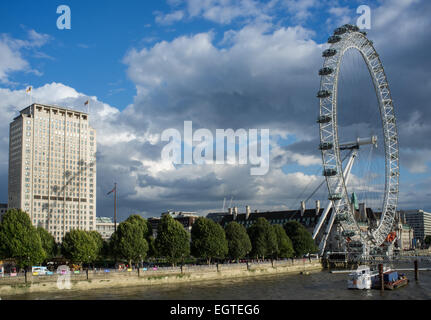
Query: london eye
340, 151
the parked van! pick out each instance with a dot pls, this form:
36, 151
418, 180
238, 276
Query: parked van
40, 271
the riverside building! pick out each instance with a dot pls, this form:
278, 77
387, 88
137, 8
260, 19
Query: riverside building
364, 216
52, 168
420, 221
105, 226
187, 219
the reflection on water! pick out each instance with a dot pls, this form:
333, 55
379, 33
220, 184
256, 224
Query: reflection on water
316, 286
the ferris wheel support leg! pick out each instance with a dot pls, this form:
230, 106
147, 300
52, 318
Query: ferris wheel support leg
322, 219
329, 206
346, 174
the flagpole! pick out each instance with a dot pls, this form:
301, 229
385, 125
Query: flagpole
87, 103
115, 207
28, 91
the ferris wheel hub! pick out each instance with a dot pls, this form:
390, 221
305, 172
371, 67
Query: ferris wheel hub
359, 142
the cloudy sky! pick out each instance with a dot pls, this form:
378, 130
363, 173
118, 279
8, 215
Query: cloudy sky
148, 66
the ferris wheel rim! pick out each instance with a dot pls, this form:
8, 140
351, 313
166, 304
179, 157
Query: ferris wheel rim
344, 39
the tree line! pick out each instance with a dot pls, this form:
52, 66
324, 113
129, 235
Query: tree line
134, 243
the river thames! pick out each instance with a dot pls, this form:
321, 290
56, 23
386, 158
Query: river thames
315, 286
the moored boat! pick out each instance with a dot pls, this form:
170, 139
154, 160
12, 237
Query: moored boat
360, 279
364, 277
391, 280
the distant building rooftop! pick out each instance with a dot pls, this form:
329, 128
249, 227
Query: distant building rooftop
104, 220
177, 214
185, 218
308, 218
275, 216
105, 226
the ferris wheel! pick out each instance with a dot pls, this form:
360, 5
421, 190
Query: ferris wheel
337, 169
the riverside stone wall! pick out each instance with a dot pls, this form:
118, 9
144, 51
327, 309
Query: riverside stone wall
114, 279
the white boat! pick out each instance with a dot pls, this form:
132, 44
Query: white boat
363, 277
360, 279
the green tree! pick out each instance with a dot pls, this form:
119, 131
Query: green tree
172, 242
80, 247
106, 252
48, 243
152, 250
239, 243
263, 239
427, 240
284, 244
208, 240
147, 231
150, 230
302, 240
130, 242
97, 237
142, 223
20, 240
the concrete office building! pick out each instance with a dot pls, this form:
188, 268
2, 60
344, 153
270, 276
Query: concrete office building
52, 168
420, 221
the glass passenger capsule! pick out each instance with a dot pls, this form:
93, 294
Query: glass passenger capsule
348, 233
323, 94
329, 172
326, 146
334, 39
335, 197
329, 53
341, 30
324, 119
341, 217
325, 71
351, 27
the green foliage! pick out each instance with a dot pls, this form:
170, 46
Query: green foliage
106, 252
130, 242
147, 232
112, 244
80, 247
97, 237
263, 239
172, 242
142, 223
302, 240
239, 243
48, 243
284, 244
208, 240
20, 240
152, 250
150, 230
427, 240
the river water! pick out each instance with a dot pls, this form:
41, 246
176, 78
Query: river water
315, 286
